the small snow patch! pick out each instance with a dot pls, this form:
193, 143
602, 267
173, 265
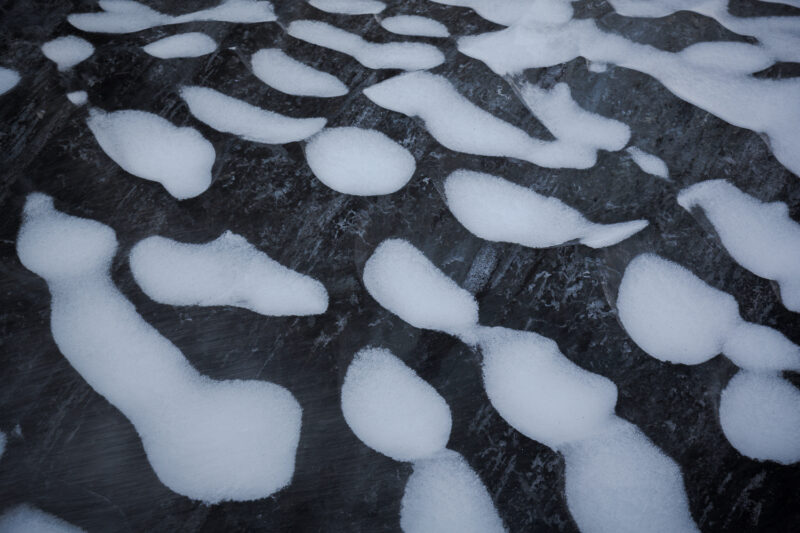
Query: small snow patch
8, 79
288, 75
27, 519
66, 52
78, 97
649, 163
349, 7
415, 25
192, 44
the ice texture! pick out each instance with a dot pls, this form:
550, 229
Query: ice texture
27, 519
8, 79
231, 115
760, 415
226, 271
399, 55
415, 25
349, 7
128, 16
462, 126
153, 148
288, 75
391, 409
66, 52
497, 210
359, 161
406, 283
205, 439
760, 236
649, 163
444, 495
548, 36
190, 44
78, 97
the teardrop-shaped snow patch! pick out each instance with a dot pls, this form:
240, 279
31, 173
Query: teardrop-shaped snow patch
288, 75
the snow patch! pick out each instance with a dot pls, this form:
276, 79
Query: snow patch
760, 236
497, 210
649, 163
8, 79
153, 148
349, 7
415, 25
359, 161
66, 52
205, 439
231, 115
78, 97
288, 75
405, 56
226, 271
27, 519
504, 13
191, 44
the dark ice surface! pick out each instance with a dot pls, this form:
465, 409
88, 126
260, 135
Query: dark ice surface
72, 454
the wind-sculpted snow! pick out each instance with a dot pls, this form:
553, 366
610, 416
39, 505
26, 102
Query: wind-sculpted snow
26, 519
674, 316
205, 439
714, 76
760, 236
415, 25
506, 12
349, 7
649, 163
616, 479
400, 55
288, 75
393, 411
8, 79
191, 44
497, 210
66, 52
128, 16
153, 148
226, 271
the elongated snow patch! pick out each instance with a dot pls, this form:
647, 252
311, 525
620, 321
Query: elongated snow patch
406, 283
230, 115
391, 409
192, 44
8, 79
444, 494
349, 7
415, 25
288, 75
760, 236
540, 392
649, 163
760, 415
462, 126
66, 52
504, 13
27, 519
405, 56
128, 16
153, 148
225, 271
497, 210
620, 482
205, 439
675, 316
359, 161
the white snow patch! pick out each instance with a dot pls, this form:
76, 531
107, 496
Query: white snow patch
460, 125
127, 16
497, 210
405, 56
762, 105
3, 442
415, 25
153, 148
226, 271
78, 97
649, 163
8, 79
191, 44
231, 115
675, 316
760, 415
27, 519
359, 161
541, 393
205, 439
391, 409
66, 52
760, 236
406, 283
504, 13
288, 75
620, 482
444, 495
349, 7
